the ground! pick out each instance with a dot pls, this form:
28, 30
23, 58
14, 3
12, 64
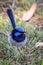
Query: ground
28, 54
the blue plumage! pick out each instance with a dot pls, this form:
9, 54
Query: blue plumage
10, 14
18, 34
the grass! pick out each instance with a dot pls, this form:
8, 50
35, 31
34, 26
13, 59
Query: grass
23, 57
27, 55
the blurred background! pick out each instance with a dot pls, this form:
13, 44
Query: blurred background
27, 55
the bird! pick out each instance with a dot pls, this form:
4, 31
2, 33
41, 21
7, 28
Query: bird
17, 36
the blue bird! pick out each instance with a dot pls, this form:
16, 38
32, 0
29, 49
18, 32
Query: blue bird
17, 37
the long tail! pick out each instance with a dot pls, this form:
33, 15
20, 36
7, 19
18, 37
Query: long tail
10, 14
